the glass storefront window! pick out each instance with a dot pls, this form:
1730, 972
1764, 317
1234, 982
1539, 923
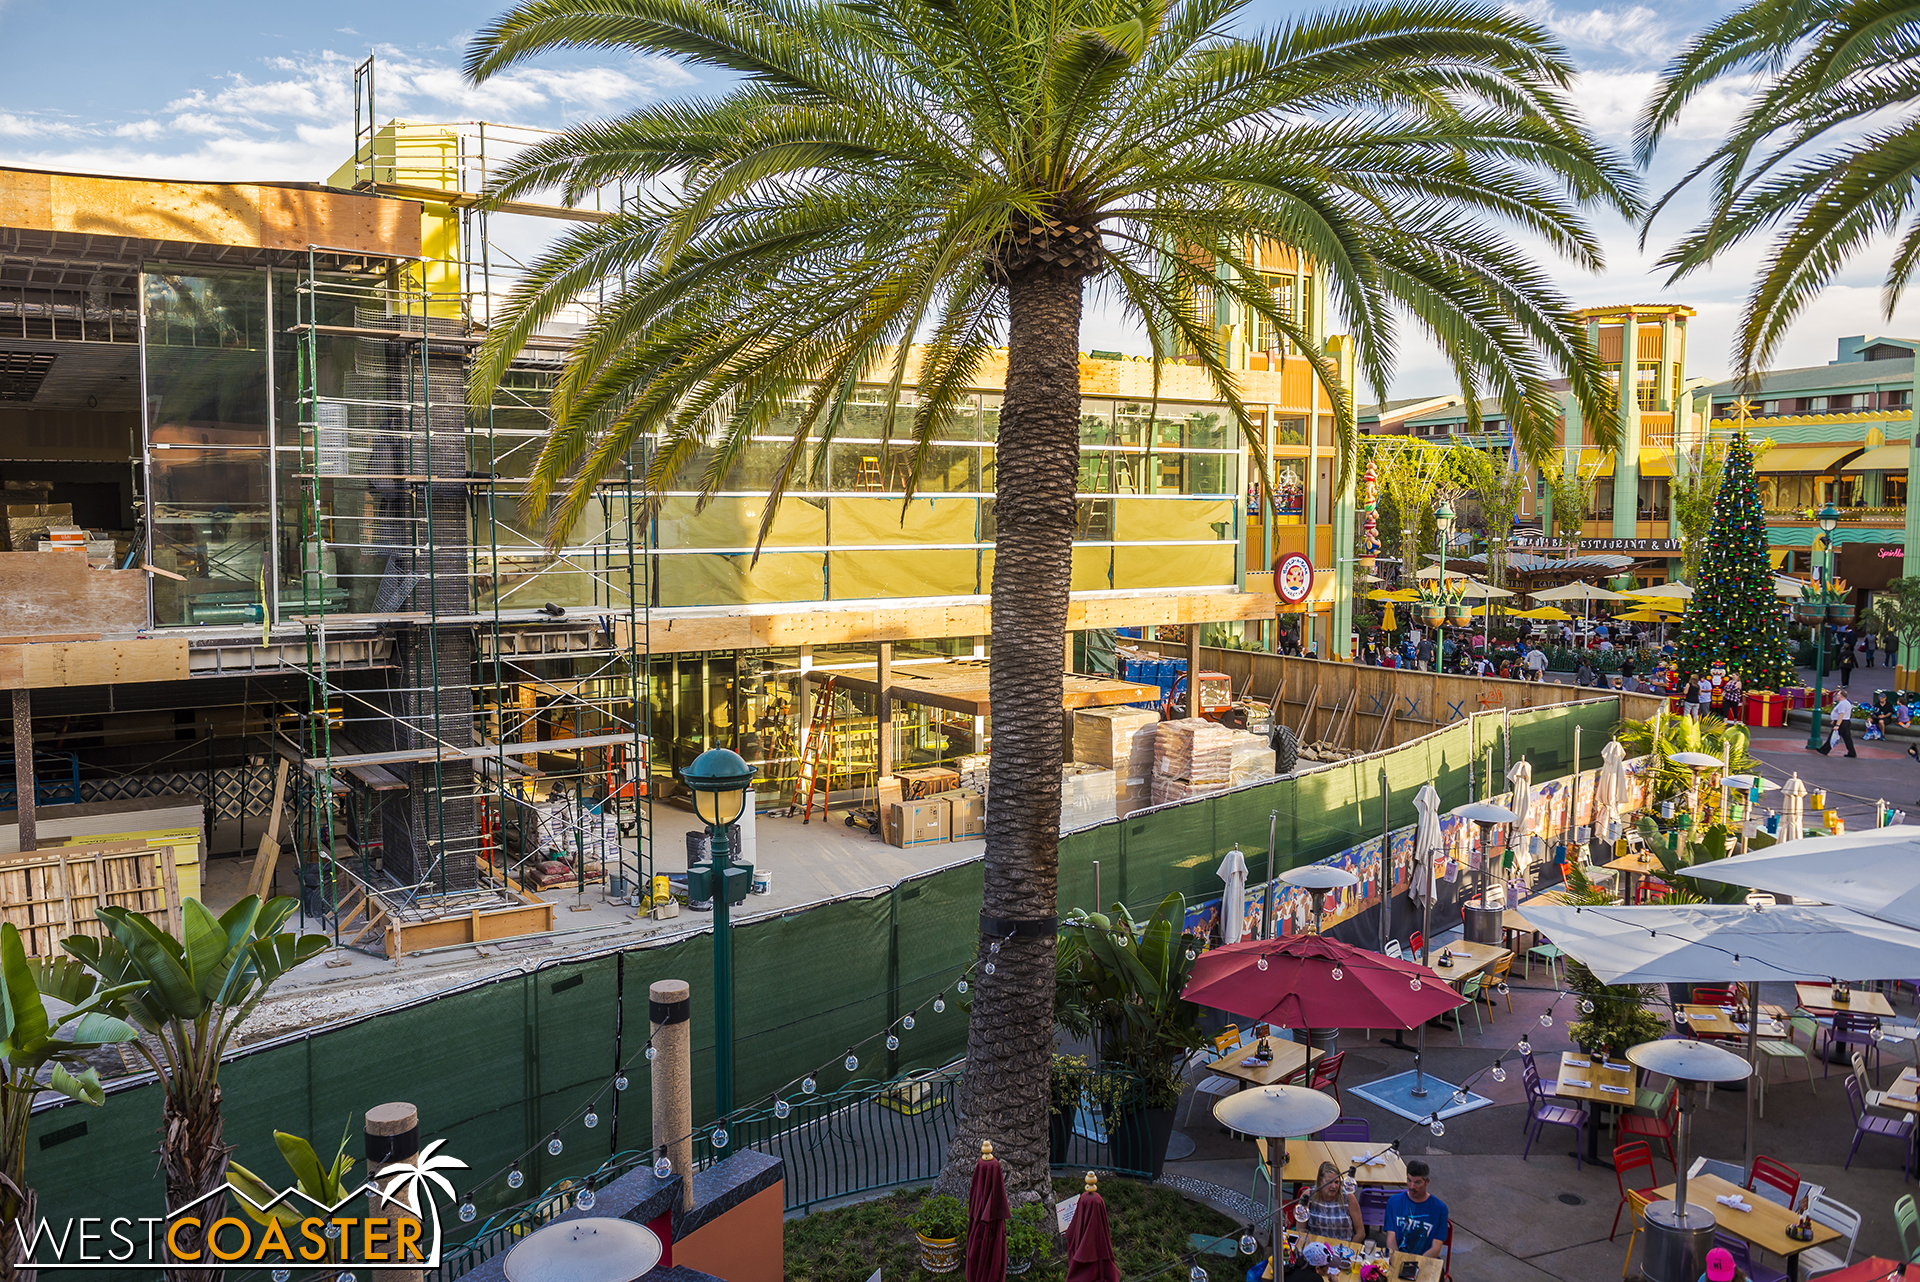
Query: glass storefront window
208, 422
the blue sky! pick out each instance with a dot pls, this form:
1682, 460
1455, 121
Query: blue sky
263, 90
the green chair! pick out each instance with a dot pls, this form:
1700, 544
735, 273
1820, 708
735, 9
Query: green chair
1471, 991
1654, 1102
1547, 952
1786, 1048
1908, 1218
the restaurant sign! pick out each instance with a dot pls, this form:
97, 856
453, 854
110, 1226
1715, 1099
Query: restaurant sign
1600, 545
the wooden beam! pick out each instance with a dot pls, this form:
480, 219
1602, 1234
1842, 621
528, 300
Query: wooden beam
23, 783
93, 663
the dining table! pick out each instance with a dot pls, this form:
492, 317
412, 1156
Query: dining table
1598, 1082
1462, 960
1304, 1156
1427, 1268
1819, 999
1287, 1058
1631, 866
1764, 1225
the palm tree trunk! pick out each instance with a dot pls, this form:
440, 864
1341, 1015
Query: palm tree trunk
1010, 1036
193, 1158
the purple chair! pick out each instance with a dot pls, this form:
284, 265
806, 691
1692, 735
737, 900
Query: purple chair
1737, 1248
1347, 1130
1543, 1112
1853, 1030
1373, 1207
1865, 1124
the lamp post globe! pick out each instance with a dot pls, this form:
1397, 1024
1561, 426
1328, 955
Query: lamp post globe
1829, 517
721, 782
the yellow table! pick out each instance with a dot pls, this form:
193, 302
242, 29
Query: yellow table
1819, 998
1631, 866
1288, 1059
1304, 1158
1429, 1266
1585, 1077
1765, 1226
1713, 1022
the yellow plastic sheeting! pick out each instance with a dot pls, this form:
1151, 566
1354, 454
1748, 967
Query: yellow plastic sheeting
1149, 520
906, 573
723, 579
735, 523
863, 521
1172, 567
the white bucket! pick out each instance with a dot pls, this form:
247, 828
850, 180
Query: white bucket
762, 882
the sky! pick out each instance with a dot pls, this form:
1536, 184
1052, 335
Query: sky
263, 90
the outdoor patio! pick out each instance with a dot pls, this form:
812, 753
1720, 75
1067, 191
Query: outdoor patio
1541, 1218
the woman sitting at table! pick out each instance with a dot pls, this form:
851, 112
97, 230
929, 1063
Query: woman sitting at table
1332, 1212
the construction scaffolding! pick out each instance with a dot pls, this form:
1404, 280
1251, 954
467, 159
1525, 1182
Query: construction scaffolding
503, 751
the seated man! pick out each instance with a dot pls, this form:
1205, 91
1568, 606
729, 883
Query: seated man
1416, 1220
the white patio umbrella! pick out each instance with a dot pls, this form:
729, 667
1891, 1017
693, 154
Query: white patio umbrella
1610, 789
1708, 943
1520, 780
1233, 901
1876, 872
1793, 812
1579, 592
1427, 841
1791, 589
1675, 591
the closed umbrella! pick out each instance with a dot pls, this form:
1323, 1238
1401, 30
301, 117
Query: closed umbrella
1313, 981
1520, 780
1427, 842
1387, 622
987, 1219
1233, 902
1793, 816
1610, 789
1089, 1239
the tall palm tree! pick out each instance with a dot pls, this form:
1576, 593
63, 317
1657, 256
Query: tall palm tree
961, 172
1820, 160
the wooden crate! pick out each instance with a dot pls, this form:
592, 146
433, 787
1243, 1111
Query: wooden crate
52, 893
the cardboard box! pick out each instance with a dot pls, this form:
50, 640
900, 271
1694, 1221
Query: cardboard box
928, 781
969, 814
921, 823
1105, 736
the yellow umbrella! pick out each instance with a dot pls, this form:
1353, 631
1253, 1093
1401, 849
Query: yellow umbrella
1654, 607
1398, 594
1546, 612
1387, 622
1646, 616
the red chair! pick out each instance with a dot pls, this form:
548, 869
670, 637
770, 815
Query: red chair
1659, 1127
1415, 942
1322, 1074
1633, 1156
1776, 1175
1714, 995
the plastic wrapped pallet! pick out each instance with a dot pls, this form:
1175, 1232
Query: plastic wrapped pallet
1252, 758
1192, 748
1086, 796
1104, 736
972, 769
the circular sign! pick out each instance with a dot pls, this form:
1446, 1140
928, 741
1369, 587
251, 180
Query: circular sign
1293, 578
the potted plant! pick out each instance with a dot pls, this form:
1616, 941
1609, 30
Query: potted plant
1066, 1093
1027, 1237
1119, 981
939, 1222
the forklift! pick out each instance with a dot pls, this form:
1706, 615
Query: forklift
1216, 701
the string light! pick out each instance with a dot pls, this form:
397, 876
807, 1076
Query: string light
853, 1061
663, 1166
514, 1178
651, 1052
554, 1145
720, 1136
940, 1004
906, 1021
893, 1043
808, 1086
586, 1199
591, 1120
620, 1081
468, 1210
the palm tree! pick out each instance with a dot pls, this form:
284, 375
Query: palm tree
962, 173
192, 996
1833, 76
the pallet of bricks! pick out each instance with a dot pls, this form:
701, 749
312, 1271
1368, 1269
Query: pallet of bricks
1191, 757
1112, 765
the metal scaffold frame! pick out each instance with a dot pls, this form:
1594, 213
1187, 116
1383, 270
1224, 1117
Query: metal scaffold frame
513, 724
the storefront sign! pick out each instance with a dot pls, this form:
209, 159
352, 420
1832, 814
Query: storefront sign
1887, 552
1293, 578
1600, 545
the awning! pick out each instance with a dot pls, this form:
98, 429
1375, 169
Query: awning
961, 686
1802, 458
1887, 458
1654, 461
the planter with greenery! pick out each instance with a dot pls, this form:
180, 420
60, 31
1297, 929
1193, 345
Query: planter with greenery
940, 1222
1028, 1238
1119, 981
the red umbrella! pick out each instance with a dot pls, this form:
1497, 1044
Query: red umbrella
1311, 981
987, 1220
1869, 1270
1089, 1244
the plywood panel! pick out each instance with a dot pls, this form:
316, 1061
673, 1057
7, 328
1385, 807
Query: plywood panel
54, 593
90, 663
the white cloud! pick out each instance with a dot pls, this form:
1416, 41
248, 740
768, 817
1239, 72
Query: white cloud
35, 126
1630, 33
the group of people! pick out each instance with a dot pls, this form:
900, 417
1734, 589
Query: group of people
1416, 1220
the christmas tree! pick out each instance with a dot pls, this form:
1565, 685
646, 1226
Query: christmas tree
1734, 617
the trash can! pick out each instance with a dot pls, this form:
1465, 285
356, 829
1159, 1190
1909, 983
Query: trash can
1765, 708
1676, 1248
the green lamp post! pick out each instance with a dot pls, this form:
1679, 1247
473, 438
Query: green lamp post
722, 784
1829, 520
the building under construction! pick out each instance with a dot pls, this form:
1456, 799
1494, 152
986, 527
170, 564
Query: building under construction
268, 585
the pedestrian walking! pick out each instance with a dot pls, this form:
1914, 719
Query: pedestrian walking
1842, 726
1866, 643
1846, 665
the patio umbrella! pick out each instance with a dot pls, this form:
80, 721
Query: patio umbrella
1667, 591
1793, 814
1520, 780
1876, 873
1475, 588
1387, 622
1427, 840
1233, 902
1791, 589
1298, 987
1698, 943
1647, 616
1089, 1239
987, 1219
1579, 592
1610, 789
1397, 594
1544, 613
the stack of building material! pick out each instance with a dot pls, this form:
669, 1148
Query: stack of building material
1121, 740
972, 770
1086, 796
1190, 756
1252, 758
